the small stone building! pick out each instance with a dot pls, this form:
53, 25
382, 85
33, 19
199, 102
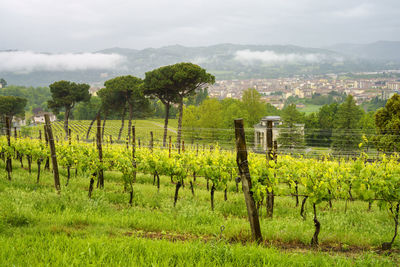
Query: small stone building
260, 132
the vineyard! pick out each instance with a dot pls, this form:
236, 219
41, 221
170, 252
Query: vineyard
158, 193
79, 129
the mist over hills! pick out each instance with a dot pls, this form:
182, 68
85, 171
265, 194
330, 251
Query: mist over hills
225, 61
381, 50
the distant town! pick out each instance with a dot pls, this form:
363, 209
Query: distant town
277, 91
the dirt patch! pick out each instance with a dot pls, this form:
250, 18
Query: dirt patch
170, 236
290, 246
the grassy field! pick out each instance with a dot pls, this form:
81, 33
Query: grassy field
39, 227
112, 127
310, 108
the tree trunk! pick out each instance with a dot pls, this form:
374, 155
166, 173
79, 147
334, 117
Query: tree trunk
158, 182
91, 124
29, 158
191, 187
303, 203
178, 141
104, 125
9, 162
91, 185
39, 161
167, 105
388, 245
212, 196
178, 185
100, 174
53, 154
68, 174
314, 240
122, 124
20, 156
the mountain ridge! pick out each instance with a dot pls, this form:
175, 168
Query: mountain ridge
232, 61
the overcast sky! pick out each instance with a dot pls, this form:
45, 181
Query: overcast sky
90, 25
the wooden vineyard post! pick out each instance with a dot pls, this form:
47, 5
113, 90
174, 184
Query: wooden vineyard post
8, 162
133, 152
111, 140
47, 163
151, 142
69, 137
52, 153
100, 174
183, 146
40, 135
133, 165
169, 147
244, 172
15, 133
270, 156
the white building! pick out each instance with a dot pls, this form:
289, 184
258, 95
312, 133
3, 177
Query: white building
39, 117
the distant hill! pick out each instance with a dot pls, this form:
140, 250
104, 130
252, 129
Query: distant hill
231, 61
381, 50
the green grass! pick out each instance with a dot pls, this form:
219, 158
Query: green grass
310, 108
39, 227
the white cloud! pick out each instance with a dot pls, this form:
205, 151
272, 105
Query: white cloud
267, 56
360, 11
27, 61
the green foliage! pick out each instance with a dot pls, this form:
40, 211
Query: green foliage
387, 121
374, 104
201, 95
254, 107
66, 94
271, 110
37, 96
12, 106
191, 122
26, 131
213, 119
319, 127
87, 111
347, 133
291, 133
328, 99
126, 90
3, 83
